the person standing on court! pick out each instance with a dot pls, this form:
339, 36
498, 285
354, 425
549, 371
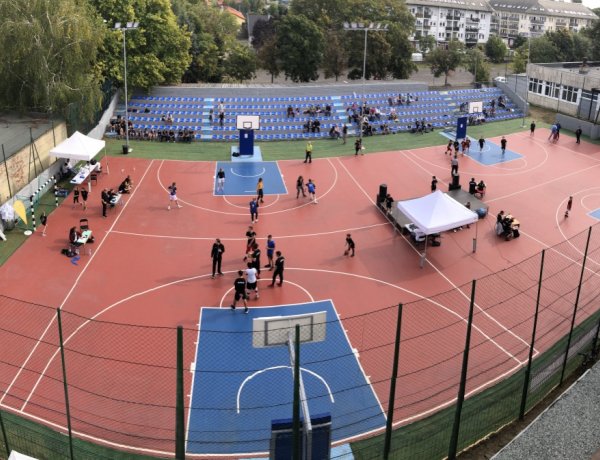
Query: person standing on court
260, 193
532, 128
472, 186
251, 281
84, 197
76, 196
503, 144
173, 195
220, 180
344, 133
558, 127
44, 222
300, 187
357, 146
312, 191
105, 197
454, 165
279, 266
309, 149
254, 210
578, 133
481, 144
255, 258
569, 206
250, 239
434, 182
270, 252
239, 286
216, 254
350, 246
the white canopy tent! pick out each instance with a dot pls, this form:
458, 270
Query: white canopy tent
437, 212
79, 147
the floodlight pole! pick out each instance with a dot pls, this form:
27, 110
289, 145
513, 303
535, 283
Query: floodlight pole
366, 27
124, 29
527, 78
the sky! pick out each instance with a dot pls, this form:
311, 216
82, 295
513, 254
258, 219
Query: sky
592, 3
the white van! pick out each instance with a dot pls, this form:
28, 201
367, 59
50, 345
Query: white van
416, 57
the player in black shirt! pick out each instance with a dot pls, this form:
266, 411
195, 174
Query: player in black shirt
239, 286
216, 254
349, 246
279, 265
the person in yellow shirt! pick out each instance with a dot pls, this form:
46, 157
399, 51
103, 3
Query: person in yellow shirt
260, 191
309, 149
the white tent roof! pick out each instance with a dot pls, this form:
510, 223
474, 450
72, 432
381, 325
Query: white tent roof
78, 147
437, 212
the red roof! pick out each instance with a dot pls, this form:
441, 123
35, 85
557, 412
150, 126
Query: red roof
235, 12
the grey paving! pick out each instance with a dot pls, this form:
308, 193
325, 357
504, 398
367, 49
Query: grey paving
567, 430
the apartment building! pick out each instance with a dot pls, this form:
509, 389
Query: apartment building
467, 21
474, 21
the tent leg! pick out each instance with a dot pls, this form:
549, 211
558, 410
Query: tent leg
106, 162
475, 239
424, 254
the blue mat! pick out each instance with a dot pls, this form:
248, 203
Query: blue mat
238, 390
595, 214
491, 154
241, 178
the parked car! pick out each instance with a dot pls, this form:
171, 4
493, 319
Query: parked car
499, 80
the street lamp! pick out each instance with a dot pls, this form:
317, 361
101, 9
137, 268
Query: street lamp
371, 27
124, 28
527, 78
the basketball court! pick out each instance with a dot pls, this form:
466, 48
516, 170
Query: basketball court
151, 267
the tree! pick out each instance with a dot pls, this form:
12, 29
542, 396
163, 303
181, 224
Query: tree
476, 64
519, 63
157, 52
240, 65
49, 50
543, 50
427, 43
263, 31
445, 61
495, 49
562, 40
401, 65
327, 14
335, 57
267, 57
379, 54
593, 33
582, 45
300, 44
519, 41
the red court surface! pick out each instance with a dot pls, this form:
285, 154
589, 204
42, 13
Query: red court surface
151, 267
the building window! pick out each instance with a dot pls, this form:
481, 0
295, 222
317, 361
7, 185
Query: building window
535, 85
570, 94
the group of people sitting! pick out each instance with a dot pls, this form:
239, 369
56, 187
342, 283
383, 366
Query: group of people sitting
167, 119
126, 185
312, 126
477, 189
401, 100
421, 127
507, 226
311, 111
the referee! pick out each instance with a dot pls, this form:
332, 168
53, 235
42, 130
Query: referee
239, 286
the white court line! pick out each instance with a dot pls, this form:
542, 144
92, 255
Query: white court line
272, 368
67, 298
308, 203
457, 288
279, 237
189, 417
269, 279
262, 206
253, 175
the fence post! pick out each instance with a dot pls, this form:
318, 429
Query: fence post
390, 414
463, 380
179, 411
532, 345
66, 387
581, 99
6, 169
32, 208
297, 439
595, 339
564, 366
55, 190
7, 447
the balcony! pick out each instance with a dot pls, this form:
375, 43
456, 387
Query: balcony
472, 28
471, 38
472, 20
453, 17
452, 28
534, 20
561, 23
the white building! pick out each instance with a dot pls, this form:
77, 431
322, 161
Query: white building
464, 20
473, 21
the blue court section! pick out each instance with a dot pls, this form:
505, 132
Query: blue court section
595, 214
241, 178
491, 153
238, 390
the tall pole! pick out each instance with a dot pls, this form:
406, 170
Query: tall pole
362, 118
125, 77
526, 109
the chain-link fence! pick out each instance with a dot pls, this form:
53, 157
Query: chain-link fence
446, 370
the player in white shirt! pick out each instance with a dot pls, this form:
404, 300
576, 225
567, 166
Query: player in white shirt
251, 280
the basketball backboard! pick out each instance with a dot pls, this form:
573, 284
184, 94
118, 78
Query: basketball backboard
247, 122
274, 331
475, 107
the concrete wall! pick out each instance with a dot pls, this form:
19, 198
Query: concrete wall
100, 129
20, 172
571, 123
515, 88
